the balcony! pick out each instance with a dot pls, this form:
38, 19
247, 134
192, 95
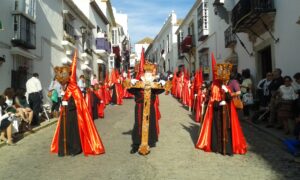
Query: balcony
230, 40
102, 46
247, 13
186, 44
87, 58
69, 33
116, 51
24, 32
69, 38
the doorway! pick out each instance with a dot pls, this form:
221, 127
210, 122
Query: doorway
101, 72
265, 64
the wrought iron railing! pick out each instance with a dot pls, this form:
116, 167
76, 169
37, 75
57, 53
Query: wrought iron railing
229, 37
246, 7
24, 32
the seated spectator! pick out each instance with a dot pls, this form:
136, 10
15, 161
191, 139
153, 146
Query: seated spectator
9, 94
22, 105
5, 123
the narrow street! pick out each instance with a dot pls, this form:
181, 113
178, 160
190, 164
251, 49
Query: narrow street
174, 157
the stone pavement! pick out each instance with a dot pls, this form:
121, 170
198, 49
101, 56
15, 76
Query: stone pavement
174, 157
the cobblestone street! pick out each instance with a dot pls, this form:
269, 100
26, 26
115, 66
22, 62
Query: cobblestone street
174, 157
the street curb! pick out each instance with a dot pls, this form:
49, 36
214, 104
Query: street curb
36, 129
279, 140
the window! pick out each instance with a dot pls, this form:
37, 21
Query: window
24, 32
179, 40
114, 36
16, 5
168, 43
30, 7
26, 6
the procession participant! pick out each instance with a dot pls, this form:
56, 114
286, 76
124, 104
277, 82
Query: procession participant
75, 131
116, 86
126, 94
221, 131
107, 93
99, 91
144, 133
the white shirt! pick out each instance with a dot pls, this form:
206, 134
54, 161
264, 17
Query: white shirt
296, 86
287, 92
4, 116
246, 83
81, 84
55, 85
33, 85
264, 85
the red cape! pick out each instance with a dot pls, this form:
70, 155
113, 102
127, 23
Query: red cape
89, 137
238, 140
100, 107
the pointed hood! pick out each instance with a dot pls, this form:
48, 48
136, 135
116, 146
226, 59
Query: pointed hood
141, 66
213, 67
73, 68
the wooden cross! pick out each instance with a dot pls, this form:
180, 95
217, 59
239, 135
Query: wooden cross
147, 86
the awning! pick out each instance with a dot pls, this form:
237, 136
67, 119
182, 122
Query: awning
66, 60
21, 52
85, 67
100, 61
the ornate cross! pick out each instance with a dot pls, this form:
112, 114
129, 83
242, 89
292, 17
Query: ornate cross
147, 86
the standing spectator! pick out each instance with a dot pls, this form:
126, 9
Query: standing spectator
273, 87
236, 75
285, 108
234, 85
263, 90
81, 84
94, 80
246, 87
55, 87
296, 83
34, 91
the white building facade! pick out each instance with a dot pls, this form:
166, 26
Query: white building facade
39, 35
250, 34
163, 49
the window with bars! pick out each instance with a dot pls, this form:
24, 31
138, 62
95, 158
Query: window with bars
24, 32
202, 16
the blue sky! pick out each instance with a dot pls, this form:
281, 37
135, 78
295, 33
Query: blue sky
146, 18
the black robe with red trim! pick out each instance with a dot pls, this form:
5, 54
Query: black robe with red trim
138, 119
